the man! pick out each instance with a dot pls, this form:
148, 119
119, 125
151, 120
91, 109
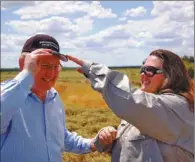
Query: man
32, 113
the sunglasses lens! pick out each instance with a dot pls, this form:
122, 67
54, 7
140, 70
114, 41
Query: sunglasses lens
149, 74
148, 71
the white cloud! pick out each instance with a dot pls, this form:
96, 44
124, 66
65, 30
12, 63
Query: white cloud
175, 10
3, 9
53, 25
135, 12
83, 24
96, 10
12, 42
9, 4
9, 60
178, 24
38, 10
144, 34
122, 19
157, 32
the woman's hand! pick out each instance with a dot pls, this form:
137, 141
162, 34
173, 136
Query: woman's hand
77, 61
107, 135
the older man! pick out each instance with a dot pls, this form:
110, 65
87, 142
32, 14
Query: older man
32, 113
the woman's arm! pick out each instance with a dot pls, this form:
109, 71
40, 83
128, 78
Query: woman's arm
158, 116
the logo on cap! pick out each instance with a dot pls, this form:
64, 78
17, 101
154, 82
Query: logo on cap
48, 44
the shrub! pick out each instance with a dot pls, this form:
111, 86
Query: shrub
191, 72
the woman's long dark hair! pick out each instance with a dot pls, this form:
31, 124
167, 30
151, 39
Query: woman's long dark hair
179, 81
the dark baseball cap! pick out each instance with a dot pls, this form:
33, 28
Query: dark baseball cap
44, 41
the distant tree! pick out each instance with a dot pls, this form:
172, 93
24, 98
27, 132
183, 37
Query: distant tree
185, 58
188, 58
191, 72
191, 59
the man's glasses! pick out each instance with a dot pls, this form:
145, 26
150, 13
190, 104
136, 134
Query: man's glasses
150, 71
48, 67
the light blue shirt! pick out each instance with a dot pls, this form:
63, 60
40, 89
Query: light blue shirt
33, 131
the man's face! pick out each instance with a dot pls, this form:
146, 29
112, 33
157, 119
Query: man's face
48, 73
152, 83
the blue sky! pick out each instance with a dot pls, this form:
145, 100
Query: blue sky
115, 33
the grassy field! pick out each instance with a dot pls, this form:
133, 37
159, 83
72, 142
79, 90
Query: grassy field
86, 111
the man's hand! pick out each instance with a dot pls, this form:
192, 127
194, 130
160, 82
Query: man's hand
31, 61
107, 135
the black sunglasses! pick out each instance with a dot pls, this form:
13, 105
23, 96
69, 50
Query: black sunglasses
150, 71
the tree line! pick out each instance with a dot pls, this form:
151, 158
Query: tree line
188, 58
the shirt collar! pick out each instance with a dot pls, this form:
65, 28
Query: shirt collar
51, 94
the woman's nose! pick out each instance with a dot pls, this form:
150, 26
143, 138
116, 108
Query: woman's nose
143, 76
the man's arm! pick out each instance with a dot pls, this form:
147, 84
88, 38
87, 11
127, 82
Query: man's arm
13, 96
14, 93
77, 144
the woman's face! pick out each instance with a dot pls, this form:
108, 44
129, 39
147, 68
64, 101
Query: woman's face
152, 76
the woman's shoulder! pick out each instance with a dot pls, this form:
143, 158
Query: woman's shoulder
176, 103
173, 98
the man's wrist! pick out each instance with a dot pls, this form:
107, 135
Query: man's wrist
92, 145
26, 78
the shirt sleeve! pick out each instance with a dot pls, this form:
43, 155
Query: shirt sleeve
75, 143
13, 96
158, 116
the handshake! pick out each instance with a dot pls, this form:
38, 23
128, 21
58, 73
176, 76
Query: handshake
104, 139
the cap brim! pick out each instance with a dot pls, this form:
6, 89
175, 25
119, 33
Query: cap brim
61, 56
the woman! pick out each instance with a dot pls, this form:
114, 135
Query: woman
157, 120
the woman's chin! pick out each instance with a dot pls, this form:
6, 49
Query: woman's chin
145, 88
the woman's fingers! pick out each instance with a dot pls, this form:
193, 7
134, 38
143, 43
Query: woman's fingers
79, 70
76, 60
113, 132
107, 135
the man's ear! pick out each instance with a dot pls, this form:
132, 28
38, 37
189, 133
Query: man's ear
21, 62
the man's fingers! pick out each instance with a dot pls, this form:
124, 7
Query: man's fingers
76, 60
42, 52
